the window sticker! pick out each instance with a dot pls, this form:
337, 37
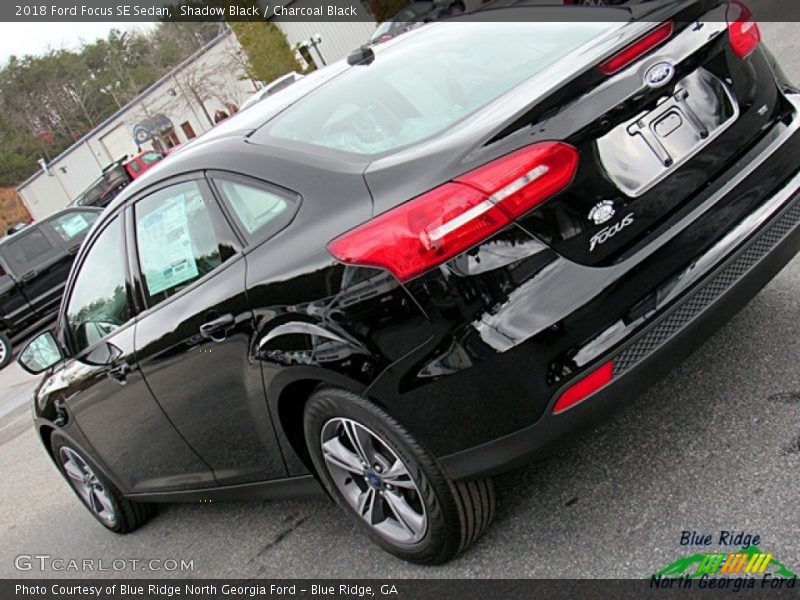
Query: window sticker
74, 225
166, 246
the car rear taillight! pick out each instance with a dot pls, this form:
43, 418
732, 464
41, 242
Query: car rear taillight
637, 49
585, 387
743, 32
450, 219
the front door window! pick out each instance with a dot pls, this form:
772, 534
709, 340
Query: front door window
98, 303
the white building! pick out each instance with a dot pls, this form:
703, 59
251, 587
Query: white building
215, 74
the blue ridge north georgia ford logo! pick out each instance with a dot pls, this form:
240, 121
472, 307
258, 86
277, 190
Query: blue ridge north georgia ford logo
602, 212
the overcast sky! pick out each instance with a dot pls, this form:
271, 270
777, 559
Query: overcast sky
36, 38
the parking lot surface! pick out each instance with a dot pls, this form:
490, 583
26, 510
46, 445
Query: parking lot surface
714, 447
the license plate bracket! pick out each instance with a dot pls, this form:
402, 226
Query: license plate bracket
643, 151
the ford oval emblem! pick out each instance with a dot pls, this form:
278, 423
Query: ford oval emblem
659, 75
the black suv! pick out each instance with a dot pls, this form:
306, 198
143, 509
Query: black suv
34, 264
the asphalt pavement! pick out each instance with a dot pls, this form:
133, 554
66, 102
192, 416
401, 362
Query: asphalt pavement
714, 447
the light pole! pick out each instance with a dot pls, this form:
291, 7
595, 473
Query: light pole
314, 42
109, 91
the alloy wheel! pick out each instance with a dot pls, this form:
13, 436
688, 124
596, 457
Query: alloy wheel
373, 480
3, 351
86, 483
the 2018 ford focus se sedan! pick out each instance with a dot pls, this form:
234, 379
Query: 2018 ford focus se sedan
406, 274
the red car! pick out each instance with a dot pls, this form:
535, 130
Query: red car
142, 162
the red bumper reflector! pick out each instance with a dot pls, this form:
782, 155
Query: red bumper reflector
585, 387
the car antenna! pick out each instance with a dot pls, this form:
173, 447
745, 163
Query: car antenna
361, 56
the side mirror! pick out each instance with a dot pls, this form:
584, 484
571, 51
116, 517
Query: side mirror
104, 355
41, 353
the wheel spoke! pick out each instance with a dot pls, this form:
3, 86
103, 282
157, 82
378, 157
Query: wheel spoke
73, 471
84, 492
336, 454
79, 462
351, 430
366, 505
406, 516
94, 504
105, 501
398, 476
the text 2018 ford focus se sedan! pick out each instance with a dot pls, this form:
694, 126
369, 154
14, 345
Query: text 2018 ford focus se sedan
406, 274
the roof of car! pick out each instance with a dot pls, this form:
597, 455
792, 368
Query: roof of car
238, 126
235, 131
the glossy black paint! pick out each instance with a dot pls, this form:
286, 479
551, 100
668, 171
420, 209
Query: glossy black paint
472, 352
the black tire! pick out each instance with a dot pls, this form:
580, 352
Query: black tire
128, 515
6, 351
457, 513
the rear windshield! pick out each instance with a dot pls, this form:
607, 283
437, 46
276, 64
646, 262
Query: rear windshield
439, 76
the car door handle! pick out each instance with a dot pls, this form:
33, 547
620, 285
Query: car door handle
119, 372
216, 329
30, 275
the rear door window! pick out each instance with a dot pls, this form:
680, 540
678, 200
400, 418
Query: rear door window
259, 209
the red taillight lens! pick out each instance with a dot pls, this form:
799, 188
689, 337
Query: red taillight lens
743, 32
421, 233
637, 49
585, 387
525, 178
448, 220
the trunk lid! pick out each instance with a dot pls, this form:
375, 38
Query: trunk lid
652, 136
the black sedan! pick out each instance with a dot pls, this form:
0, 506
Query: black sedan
404, 275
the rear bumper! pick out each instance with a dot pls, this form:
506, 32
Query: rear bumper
728, 284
